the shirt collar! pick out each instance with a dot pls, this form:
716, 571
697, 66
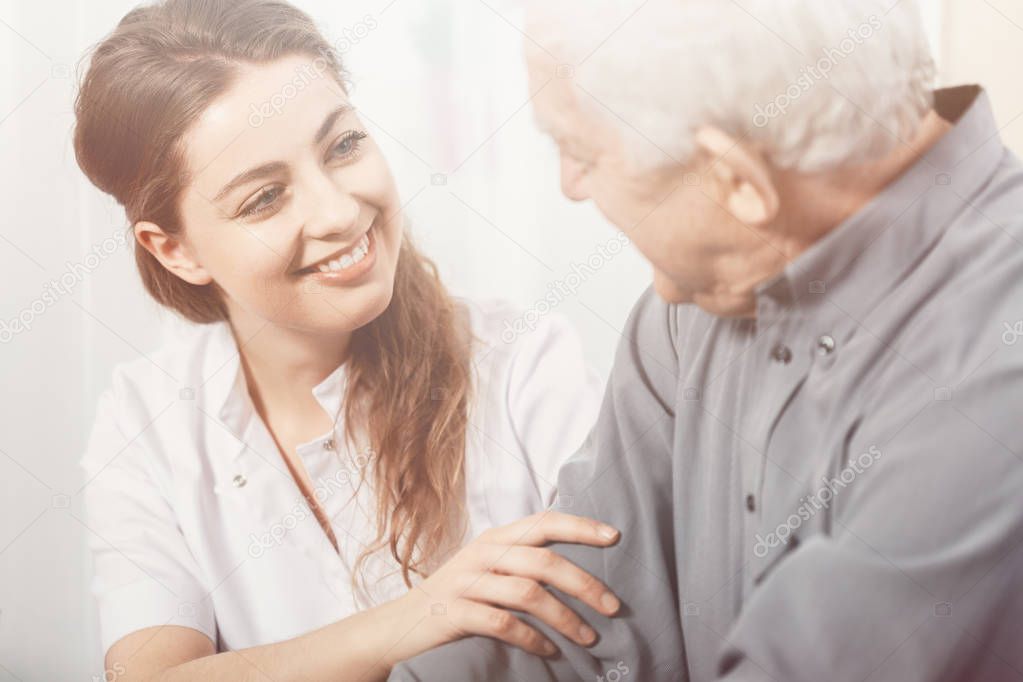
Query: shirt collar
849, 271
226, 390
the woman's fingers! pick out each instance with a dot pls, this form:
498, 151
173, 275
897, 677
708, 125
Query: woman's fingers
507, 568
475, 618
530, 596
550, 526
547, 566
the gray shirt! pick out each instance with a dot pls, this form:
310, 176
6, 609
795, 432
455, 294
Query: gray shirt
833, 491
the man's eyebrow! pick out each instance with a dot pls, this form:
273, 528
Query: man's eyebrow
278, 166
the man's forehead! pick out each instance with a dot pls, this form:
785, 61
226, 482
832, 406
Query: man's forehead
555, 109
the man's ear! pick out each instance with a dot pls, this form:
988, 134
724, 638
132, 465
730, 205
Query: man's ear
742, 173
171, 252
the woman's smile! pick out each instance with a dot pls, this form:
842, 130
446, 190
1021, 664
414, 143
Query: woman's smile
345, 267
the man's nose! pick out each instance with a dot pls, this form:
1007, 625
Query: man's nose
573, 178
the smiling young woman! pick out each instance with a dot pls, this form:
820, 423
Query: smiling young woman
231, 530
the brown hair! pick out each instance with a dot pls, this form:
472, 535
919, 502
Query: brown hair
409, 377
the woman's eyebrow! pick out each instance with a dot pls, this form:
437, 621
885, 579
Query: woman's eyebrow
330, 120
248, 176
278, 166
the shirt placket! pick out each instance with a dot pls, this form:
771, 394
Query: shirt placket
332, 488
781, 365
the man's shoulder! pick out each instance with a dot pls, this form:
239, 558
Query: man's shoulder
666, 329
966, 303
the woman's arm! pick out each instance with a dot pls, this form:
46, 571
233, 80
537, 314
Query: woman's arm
504, 568
172, 653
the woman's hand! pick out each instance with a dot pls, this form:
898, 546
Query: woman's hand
507, 568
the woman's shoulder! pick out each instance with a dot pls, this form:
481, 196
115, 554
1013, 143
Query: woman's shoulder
525, 355
141, 389
537, 399
504, 330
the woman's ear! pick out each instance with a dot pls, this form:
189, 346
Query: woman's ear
743, 175
172, 253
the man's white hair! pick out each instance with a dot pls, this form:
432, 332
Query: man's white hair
815, 84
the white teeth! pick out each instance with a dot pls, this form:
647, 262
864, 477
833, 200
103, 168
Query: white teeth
360, 251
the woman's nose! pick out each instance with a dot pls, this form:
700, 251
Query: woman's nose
332, 209
573, 178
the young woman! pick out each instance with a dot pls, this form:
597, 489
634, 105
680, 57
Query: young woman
330, 473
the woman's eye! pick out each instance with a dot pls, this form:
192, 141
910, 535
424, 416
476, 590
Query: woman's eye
348, 144
263, 202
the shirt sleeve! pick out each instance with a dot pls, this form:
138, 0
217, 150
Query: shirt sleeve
144, 574
921, 576
553, 400
624, 479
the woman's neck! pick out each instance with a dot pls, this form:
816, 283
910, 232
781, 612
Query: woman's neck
282, 365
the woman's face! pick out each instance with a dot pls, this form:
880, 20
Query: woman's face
291, 209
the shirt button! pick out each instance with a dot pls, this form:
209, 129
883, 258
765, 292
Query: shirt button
328, 444
781, 353
239, 481
751, 502
826, 345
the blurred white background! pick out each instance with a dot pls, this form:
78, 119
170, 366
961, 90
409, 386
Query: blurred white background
441, 85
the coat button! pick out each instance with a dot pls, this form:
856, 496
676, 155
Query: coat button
239, 481
826, 345
751, 502
781, 353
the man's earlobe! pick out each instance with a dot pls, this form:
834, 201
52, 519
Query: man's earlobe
172, 253
744, 175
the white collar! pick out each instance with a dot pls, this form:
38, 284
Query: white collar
226, 390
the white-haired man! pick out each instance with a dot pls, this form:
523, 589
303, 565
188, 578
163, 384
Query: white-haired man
810, 439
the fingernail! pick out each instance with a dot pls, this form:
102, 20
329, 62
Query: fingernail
586, 634
609, 602
607, 532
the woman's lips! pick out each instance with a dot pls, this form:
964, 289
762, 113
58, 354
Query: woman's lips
350, 266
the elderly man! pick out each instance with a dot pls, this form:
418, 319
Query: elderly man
810, 440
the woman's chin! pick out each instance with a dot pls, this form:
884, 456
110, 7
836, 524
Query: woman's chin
348, 311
